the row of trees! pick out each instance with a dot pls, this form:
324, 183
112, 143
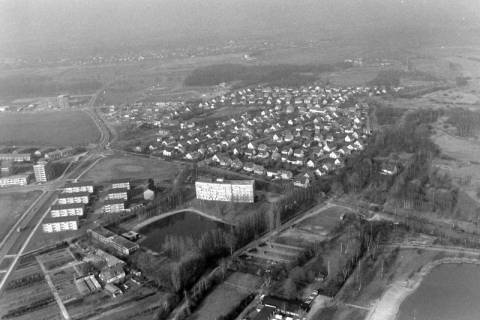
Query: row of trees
466, 122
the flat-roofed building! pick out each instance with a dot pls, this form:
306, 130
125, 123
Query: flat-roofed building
59, 153
78, 186
120, 193
16, 157
77, 197
113, 206
65, 210
121, 183
114, 241
42, 171
59, 224
226, 190
15, 180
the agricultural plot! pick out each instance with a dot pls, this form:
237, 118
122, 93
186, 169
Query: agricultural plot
55, 259
130, 167
61, 128
26, 294
12, 206
227, 296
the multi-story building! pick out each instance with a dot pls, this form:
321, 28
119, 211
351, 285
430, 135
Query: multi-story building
121, 183
78, 186
64, 210
114, 241
58, 154
58, 224
226, 190
77, 197
113, 206
120, 193
16, 157
42, 171
15, 180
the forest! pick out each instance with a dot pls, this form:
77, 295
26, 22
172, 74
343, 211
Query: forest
246, 75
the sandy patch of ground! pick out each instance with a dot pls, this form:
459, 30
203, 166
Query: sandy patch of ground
389, 304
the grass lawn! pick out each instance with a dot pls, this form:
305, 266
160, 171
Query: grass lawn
226, 296
12, 206
60, 128
133, 167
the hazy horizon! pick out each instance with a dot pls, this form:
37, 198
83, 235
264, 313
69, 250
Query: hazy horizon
32, 26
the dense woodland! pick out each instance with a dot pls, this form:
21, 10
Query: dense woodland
276, 75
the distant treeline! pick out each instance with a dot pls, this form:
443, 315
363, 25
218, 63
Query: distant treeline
35, 85
275, 75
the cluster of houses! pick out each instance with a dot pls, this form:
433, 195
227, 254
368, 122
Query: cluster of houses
70, 205
289, 134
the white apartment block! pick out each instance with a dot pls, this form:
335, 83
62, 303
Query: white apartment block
78, 197
65, 210
41, 171
113, 206
78, 186
121, 184
17, 157
121, 193
15, 180
226, 190
59, 224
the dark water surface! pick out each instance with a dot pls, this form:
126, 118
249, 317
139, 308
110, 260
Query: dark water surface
449, 292
183, 224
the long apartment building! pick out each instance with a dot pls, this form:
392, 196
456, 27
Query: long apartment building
58, 154
59, 224
121, 193
114, 241
15, 180
77, 197
65, 210
121, 183
16, 157
226, 190
113, 206
78, 186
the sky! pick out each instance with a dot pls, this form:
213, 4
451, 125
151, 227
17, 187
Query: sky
47, 24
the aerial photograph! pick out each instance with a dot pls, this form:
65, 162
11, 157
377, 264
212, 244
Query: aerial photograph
240, 159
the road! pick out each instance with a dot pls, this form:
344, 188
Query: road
15, 243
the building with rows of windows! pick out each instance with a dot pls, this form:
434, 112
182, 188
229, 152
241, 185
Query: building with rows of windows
226, 190
59, 224
65, 210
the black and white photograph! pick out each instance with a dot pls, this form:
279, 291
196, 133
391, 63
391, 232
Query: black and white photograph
239, 159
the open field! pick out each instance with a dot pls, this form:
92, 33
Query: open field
117, 167
226, 296
61, 128
12, 206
